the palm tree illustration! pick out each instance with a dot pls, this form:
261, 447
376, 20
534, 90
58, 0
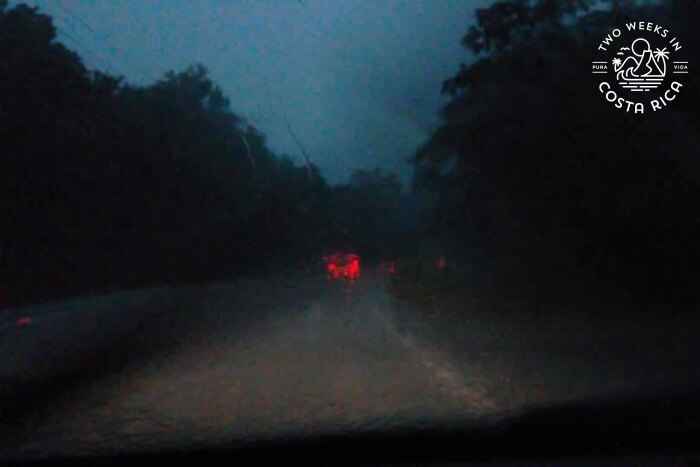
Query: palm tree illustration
661, 57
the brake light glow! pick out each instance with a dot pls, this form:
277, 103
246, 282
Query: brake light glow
343, 265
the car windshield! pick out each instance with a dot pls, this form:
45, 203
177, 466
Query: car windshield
230, 220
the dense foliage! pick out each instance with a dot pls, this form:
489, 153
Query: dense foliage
106, 185
532, 181
542, 183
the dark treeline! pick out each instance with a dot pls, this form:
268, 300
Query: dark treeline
542, 185
533, 182
105, 185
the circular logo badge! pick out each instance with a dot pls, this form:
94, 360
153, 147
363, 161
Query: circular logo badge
641, 67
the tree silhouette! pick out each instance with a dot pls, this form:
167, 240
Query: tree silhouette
542, 184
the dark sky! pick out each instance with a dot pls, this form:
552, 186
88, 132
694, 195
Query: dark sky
359, 80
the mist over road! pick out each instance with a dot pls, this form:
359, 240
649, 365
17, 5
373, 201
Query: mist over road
230, 362
235, 362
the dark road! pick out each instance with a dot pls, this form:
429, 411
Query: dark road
233, 362
331, 358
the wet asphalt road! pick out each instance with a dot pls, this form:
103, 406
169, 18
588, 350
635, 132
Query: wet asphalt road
217, 365
234, 362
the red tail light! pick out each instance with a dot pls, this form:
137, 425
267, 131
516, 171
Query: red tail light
340, 265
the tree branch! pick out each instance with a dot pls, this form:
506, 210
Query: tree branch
247, 146
296, 140
289, 128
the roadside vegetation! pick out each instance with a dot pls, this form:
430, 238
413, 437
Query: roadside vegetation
544, 193
106, 185
533, 188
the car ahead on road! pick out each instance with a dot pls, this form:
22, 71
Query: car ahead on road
342, 266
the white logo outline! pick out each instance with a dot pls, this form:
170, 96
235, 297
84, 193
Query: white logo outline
642, 78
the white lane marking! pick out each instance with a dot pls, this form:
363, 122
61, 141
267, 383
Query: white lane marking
449, 379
